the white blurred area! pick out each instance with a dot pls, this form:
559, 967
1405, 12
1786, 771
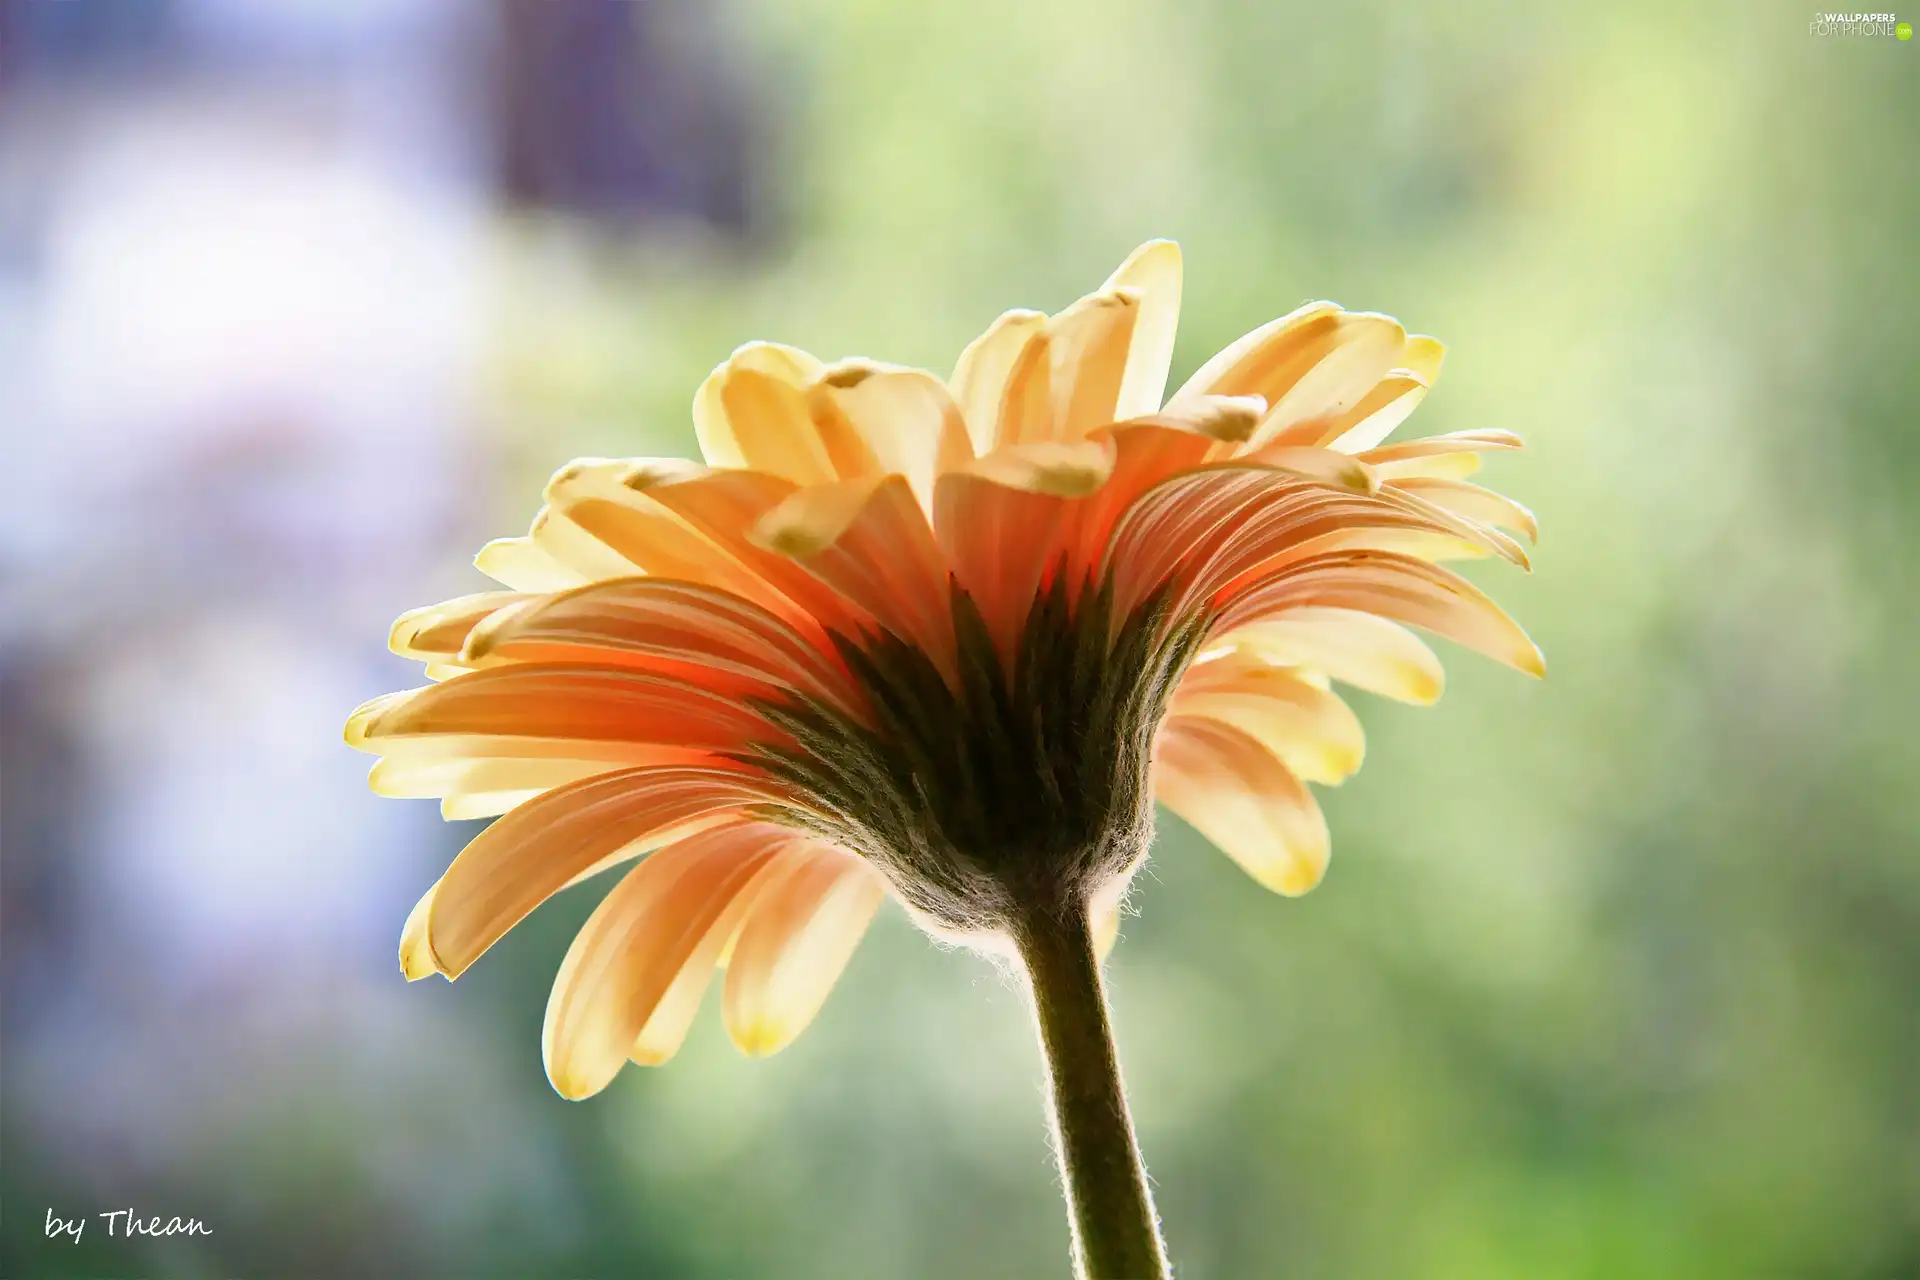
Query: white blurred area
242, 333
242, 321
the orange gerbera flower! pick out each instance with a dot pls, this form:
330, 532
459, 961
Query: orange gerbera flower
946, 639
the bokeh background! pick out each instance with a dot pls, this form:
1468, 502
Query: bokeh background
1614, 975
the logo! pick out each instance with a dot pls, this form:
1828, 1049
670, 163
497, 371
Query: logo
1859, 24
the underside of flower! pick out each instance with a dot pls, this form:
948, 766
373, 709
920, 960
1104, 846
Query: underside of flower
947, 640
1019, 788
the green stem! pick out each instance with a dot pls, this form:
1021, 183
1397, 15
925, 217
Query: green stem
1116, 1235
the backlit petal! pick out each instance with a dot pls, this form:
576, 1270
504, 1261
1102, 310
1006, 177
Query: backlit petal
870, 541
1360, 649
1238, 795
1308, 728
751, 413
438, 631
666, 1029
1154, 271
795, 943
979, 381
893, 420
542, 846
625, 959
1398, 587
1089, 345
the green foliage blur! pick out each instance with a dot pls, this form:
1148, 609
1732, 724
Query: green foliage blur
1615, 974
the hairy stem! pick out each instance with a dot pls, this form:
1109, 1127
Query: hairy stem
1116, 1235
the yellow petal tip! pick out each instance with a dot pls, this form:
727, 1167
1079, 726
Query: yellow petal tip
761, 1039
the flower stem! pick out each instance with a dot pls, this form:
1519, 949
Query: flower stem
1116, 1235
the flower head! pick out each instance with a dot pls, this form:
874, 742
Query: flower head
944, 639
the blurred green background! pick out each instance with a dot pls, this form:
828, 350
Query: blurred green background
1613, 975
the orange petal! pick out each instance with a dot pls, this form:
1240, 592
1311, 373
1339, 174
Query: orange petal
627, 956
659, 621
1408, 498
1308, 728
751, 413
416, 957
572, 545
1398, 587
1449, 456
564, 701
1154, 271
1483, 506
727, 506
523, 565
1263, 360
1327, 466
1359, 649
595, 495
465, 783
1331, 376
1390, 402
1026, 406
573, 831
869, 540
979, 381
1142, 453
891, 420
1009, 519
666, 1030
792, 949
437, 631
1238, 795
1208, 528
1089, 346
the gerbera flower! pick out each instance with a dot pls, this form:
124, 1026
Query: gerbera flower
944, 640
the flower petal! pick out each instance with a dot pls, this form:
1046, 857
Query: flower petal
1483, 506
595, 495
1089, 346
1153, 270
1360, 649
478, 788
523, 565
416, 957
569, 701
727, 506
751, 413
625, 959
660, 623
437, 631
870, 541
892, 420
1393, 586
1257, 361
792, 949
1027, 406
571, 832
979, 381
1391, 401
1009, 519
1308, 728
672, 1018
1450, 456
1209, 528
1238, 795
1331, 376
